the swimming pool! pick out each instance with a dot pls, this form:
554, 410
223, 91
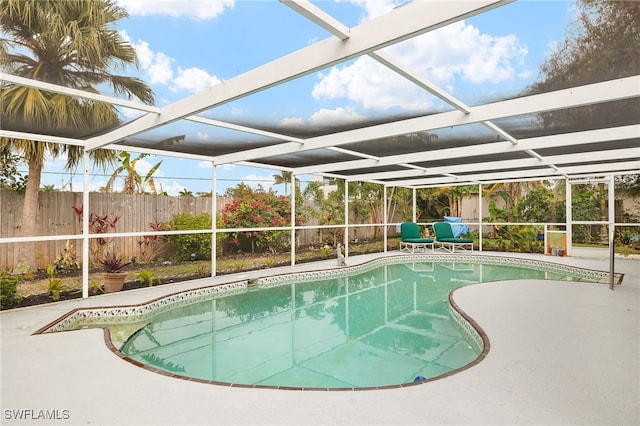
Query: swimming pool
381, 324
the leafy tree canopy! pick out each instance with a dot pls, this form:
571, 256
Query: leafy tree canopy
602, 44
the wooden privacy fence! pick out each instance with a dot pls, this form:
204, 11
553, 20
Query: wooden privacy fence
57, 217
136, 211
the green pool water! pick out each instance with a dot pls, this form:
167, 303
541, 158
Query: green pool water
383, 327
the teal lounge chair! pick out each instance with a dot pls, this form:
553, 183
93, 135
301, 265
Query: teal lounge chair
411, 240
446, 240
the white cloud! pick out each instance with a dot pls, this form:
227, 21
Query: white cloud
335, 116
456, 51
194, 9
156, 65
292, 122
193, 80
325, 117
375, 8
205, 165
158, 69
371, 85
462, 50
202, 136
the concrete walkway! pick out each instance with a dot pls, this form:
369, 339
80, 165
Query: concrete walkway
561, 353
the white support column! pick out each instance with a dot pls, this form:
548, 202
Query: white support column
293, 219
414, 214
480, 217
214, 216
612, 232
85, 225
346, 219
568, 217
385, 218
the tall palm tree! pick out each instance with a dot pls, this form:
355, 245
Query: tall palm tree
73, 43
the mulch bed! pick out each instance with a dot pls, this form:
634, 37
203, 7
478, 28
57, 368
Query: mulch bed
42, 298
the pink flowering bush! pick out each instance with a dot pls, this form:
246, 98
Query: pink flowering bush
257, 209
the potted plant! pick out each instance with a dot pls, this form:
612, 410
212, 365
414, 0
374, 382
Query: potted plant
113, 275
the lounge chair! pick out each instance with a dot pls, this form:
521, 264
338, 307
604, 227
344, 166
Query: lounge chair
446, 240
411, 240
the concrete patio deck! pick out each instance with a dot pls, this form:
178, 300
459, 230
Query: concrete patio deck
561, 353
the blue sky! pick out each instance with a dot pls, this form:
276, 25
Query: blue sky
186, 46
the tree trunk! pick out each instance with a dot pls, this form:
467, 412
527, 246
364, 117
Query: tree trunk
453, 206
29, 226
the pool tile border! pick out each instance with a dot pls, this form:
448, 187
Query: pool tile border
110, 315
591, 275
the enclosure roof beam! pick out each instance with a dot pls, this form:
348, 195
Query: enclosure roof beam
519, 174
607, 91
608, 155
245, 129
55, 88
40, 138
551, 141
319, 17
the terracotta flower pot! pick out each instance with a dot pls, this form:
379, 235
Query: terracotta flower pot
113, 281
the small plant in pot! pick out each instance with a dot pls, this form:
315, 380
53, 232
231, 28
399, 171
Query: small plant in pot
113, 276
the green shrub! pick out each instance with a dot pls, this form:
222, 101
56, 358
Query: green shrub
95, 287
148, 277
54, 285
9, 289
199, 244
325, 251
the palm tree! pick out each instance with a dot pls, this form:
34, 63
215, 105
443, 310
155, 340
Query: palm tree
283, 178
72, 43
